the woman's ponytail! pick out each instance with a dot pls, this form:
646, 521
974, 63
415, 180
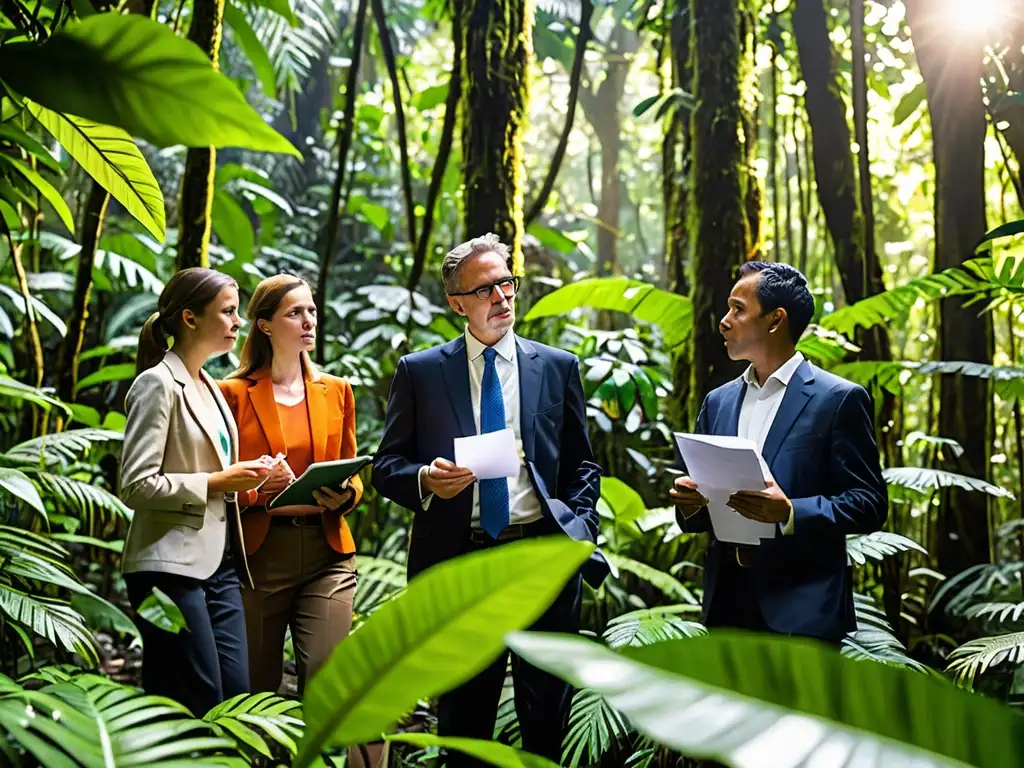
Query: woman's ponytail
153, 344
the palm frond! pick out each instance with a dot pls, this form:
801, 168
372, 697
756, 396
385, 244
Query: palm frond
980, 582
292, 50
563, 10
977, 656
61, 448
651, 625
380, 580
925, 480
52, 619
892, 375
95, 506
881, 647
250, 719
869, 614
1000, 613
668, 584
594, 729
878, 546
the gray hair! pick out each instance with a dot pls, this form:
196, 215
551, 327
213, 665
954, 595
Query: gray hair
452, 263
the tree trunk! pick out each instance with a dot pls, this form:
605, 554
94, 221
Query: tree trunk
497, 48
951, 64
200, 162
92, 227
718, 215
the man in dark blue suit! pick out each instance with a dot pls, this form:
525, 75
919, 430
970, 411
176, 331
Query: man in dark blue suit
486, 380
815, 432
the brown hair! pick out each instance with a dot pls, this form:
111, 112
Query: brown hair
193, 289
257, 352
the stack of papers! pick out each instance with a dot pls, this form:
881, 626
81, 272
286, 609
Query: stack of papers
721, 466
490, 455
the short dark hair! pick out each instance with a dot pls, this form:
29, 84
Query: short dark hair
783, 286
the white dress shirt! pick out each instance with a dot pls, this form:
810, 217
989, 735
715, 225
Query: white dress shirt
524, 506
761, 405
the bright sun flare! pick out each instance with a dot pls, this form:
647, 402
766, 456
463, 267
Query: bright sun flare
978, 16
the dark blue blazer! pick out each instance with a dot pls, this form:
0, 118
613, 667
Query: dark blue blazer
822, 453
430, 405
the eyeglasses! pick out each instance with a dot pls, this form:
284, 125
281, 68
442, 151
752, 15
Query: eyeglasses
508, 286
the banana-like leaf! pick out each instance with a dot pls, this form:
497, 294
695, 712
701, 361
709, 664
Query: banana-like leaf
736, 697
446, 626
491, 752
925, 480
651, 625
17, 484
158, 609
878, 546
45, 188
135, 73
253, 718
62, 448
977, 656
672, 313
623, 502
666, 582
111, 157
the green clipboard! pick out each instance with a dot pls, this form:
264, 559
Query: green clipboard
329, 473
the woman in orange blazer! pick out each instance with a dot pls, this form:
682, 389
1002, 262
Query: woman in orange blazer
302, 559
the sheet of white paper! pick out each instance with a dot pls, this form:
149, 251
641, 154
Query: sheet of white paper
720, 466
490, 455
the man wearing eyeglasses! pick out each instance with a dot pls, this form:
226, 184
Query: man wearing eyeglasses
485, 380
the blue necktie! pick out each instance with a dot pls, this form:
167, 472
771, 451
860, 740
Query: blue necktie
493, 493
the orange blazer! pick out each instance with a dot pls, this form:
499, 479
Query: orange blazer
332, 420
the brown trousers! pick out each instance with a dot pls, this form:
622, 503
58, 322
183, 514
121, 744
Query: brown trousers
301, 583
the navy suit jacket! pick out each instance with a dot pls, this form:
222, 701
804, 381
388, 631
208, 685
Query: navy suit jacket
822, 453
430, 405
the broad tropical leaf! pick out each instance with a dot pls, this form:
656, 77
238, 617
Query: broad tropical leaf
975, 657
15, 483
251, 719
672, 313
158, 609
491, 752
878, 546
445, 627
623, 502
925, 480
61, 448
46, 189
17, 391
132, 72
594, 728
825, 345
735, 697
111, 157
651, 625
670, 585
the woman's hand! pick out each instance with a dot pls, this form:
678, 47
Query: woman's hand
280, 478
241, 476
331, 499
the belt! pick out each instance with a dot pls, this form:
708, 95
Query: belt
297, 521
744, 555
516, 531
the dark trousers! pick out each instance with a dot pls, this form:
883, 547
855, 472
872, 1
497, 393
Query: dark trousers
734, 604
542, 700
207, 663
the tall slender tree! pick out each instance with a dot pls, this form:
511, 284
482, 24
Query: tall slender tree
497, 48
206, 31
951, 63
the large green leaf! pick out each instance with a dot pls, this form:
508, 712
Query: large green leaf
48, 192
232, 225
667, 583
491, 752
235, 18
112, 158
672, 313
135, 73
15, 390
446, 626
17, 484
736, 697
625, 504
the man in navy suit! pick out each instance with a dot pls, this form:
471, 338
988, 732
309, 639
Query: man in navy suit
815, 432
485, 380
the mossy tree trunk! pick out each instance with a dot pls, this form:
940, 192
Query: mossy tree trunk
718, 215
201, 162
951, 64
497, 48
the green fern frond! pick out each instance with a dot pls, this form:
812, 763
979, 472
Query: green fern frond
651, 625
879, 646
61, 448
52, 619
878, 546
594, 729
892, 375
292, 50
1001, 613
981, 582
977, 656
925, 480
250, 719
96, 507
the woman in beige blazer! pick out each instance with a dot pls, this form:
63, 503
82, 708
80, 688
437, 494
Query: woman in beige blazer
180, 474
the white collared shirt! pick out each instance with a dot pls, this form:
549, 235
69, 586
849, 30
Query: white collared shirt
761, 405
524, 506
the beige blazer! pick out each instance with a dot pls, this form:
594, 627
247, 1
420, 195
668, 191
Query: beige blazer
169, 452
